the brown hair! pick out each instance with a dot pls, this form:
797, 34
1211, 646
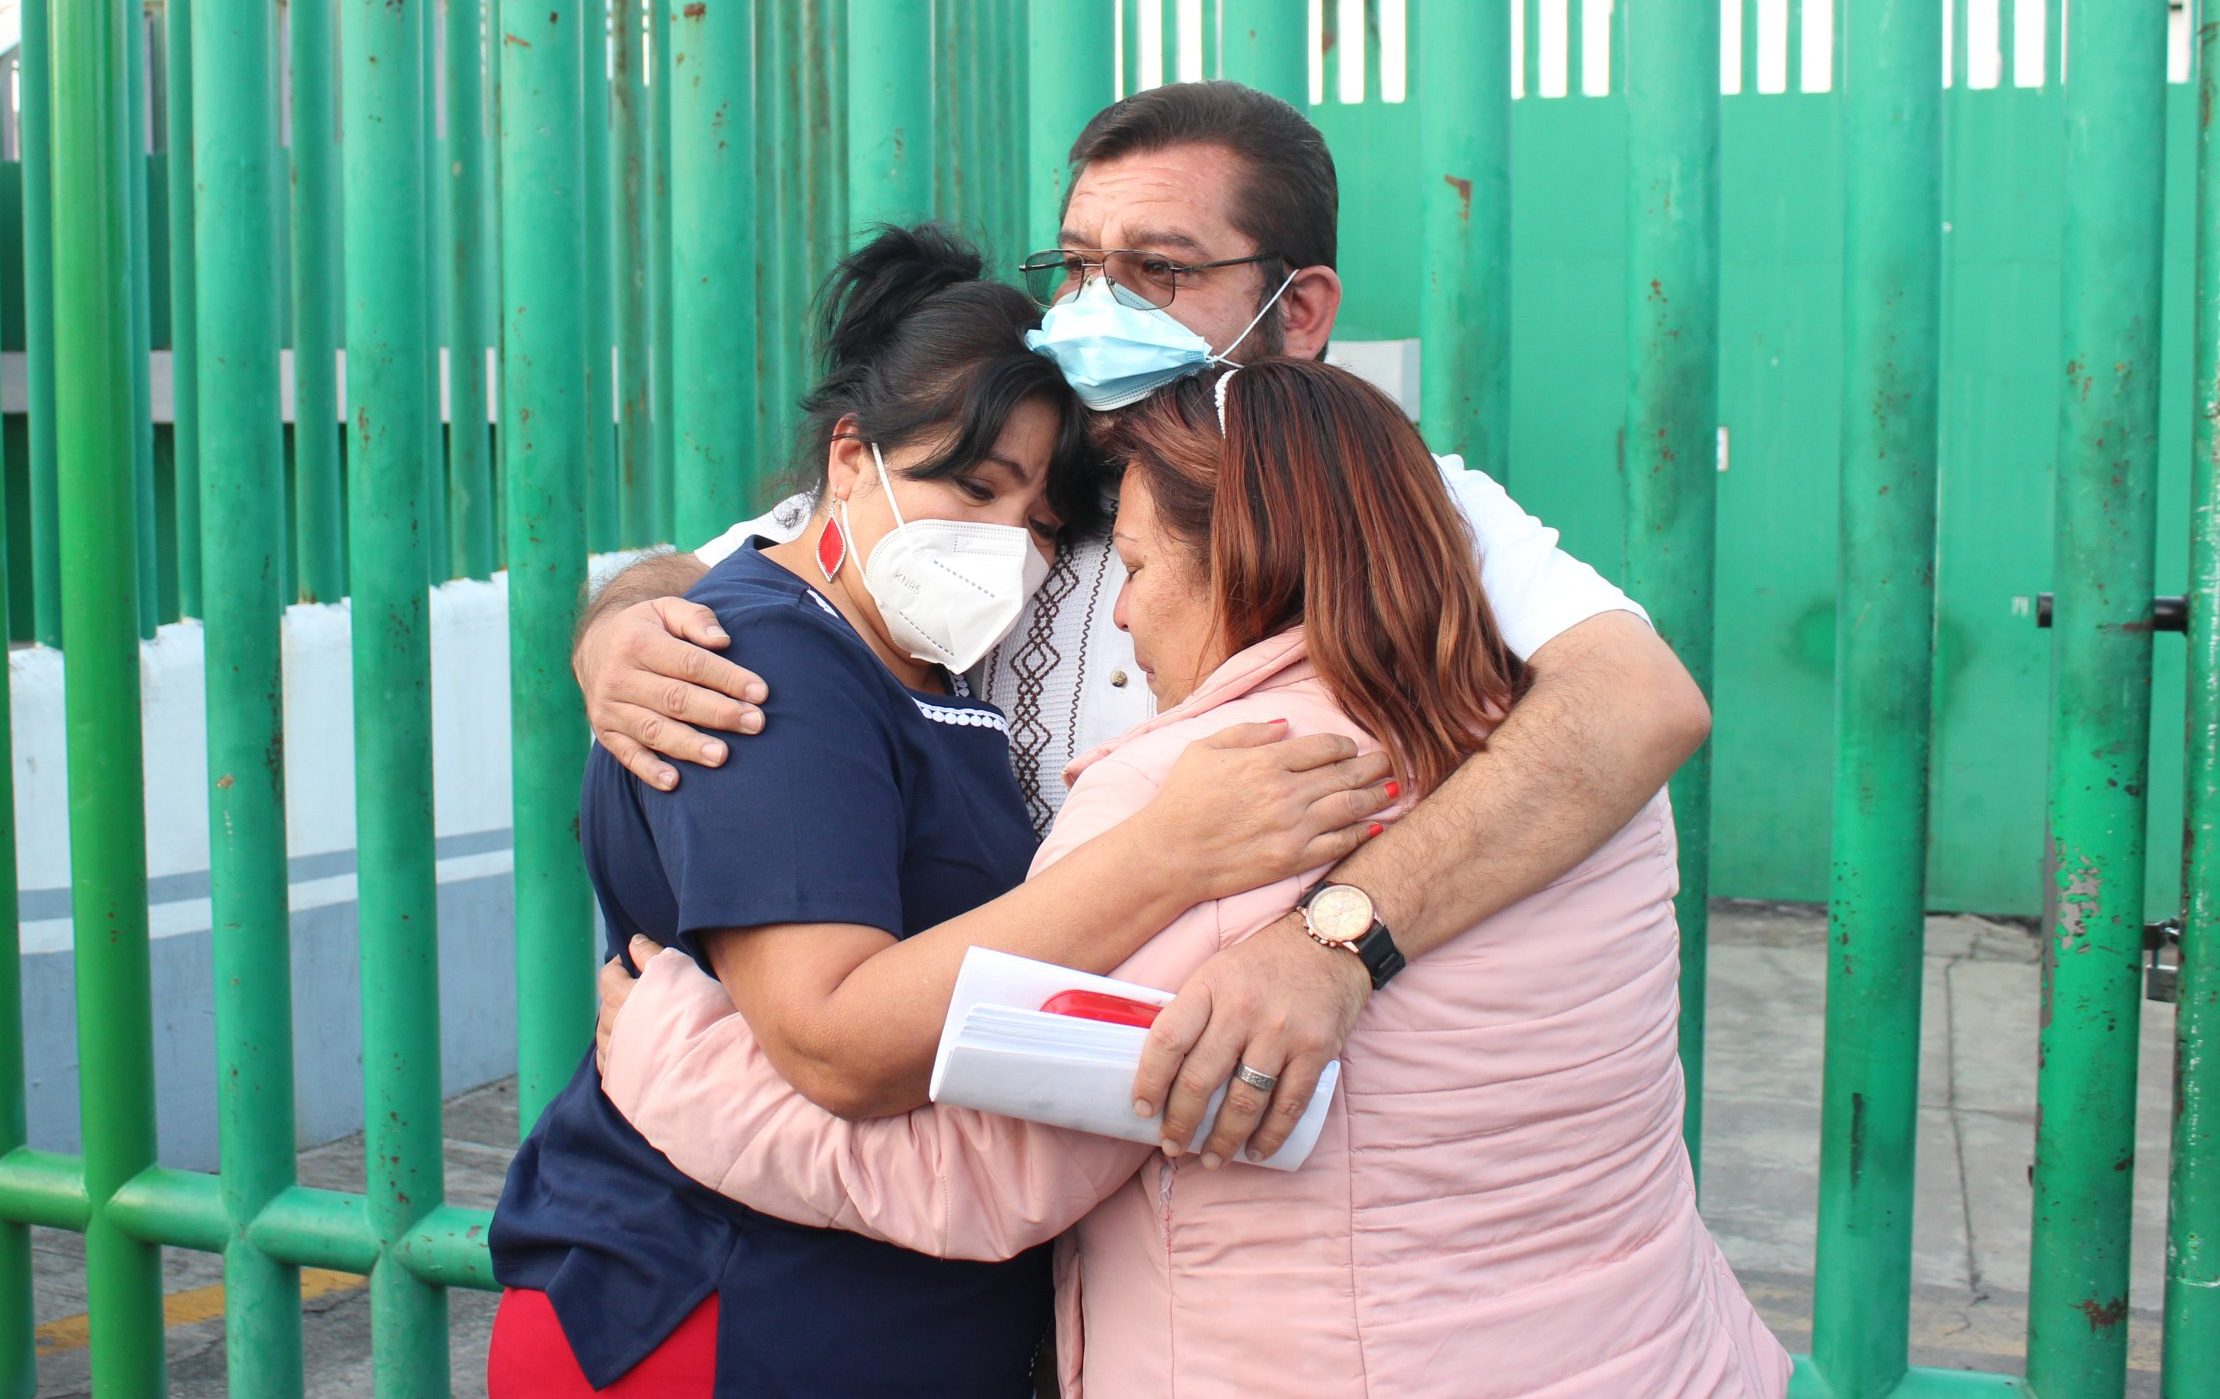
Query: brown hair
1291, 200
1320, 505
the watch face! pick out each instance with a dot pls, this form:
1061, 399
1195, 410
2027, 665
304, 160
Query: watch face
1341, 913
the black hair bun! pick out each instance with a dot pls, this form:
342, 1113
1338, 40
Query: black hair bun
876, 287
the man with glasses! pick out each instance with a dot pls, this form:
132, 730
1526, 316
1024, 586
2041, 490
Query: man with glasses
1201, 229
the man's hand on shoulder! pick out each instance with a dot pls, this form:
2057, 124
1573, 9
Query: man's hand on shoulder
1280, 1003
646, 662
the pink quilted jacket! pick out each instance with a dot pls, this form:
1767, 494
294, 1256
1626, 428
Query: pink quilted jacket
1500, 1203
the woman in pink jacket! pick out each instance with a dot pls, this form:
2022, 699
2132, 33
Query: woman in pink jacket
1500, 1203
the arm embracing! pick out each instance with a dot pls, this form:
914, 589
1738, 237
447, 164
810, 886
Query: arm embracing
1610, 716
688, 1073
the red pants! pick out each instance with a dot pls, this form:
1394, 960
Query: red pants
531, 1359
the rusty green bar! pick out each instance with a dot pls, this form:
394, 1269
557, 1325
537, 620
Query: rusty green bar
98, 485
1891, 118
35, 129
663, 501
243, 521
890, 112
1672, 412
714, 258
2115, 142
469, 444
388, 409
1464, 167
2190, 1348
543, 432
1068, 80
177, 88
1264, 43
318, 510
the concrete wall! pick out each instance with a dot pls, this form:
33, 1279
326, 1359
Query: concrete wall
471, 752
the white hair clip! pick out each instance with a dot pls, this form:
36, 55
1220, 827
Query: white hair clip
1224, 380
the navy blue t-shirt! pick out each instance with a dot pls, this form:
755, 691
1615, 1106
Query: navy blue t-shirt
860, 802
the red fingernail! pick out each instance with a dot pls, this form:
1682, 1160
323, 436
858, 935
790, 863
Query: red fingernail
1374, 829
1395, 789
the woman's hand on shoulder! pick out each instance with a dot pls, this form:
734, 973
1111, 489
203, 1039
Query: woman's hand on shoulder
1248, 806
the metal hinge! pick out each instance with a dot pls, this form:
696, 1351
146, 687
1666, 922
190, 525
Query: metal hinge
2162, 961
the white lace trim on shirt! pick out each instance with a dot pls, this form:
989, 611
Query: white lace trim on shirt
965, 718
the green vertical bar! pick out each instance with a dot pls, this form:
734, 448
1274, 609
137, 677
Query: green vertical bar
713, 248
1129, 46
1672, 411
890, 112
2191, 1346
661, 496
1464, 162
436, 271
543, 432
93, 341
635, 330
1795, 79
18, 1350
317, 507
1016, 219
1576, 45
828, 126
177, 69
1530, 52
140, 270
1265, 44
1891, 115
2054, 43
383, 95
1749, 9
36, 132
782, 289
243, 489
469, 446
601, 330
1068, 80
2101, 681
1960, 61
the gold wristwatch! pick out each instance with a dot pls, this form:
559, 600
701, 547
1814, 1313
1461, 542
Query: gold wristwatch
1341, 915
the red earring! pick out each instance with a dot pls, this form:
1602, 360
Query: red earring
832, 548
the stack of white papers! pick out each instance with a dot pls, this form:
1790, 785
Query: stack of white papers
1001, 1052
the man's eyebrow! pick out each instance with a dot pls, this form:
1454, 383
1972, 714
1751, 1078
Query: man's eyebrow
1154, 238
1144, 239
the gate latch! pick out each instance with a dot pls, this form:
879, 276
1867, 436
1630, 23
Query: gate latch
2162, 961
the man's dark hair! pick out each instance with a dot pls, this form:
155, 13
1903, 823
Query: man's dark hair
1289, 200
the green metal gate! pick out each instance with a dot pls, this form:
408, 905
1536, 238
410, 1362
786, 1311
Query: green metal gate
623, 208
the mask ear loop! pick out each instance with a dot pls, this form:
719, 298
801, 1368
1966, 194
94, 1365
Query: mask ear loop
887, 486
1225, 381
1254, 321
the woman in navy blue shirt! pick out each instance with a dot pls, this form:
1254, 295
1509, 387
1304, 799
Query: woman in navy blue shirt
832, 872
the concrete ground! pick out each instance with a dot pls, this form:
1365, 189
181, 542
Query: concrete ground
1759, 1183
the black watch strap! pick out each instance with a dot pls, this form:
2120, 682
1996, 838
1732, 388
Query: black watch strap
1379, 953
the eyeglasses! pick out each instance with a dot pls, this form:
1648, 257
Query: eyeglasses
1137, 278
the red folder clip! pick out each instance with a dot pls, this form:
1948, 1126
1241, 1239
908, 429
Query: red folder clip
1100, 1005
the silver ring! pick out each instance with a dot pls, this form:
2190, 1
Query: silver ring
1261, 1082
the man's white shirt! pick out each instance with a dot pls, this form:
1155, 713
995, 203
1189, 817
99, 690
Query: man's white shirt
1065, 674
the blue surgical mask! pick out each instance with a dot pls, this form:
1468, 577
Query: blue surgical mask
1113, 352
